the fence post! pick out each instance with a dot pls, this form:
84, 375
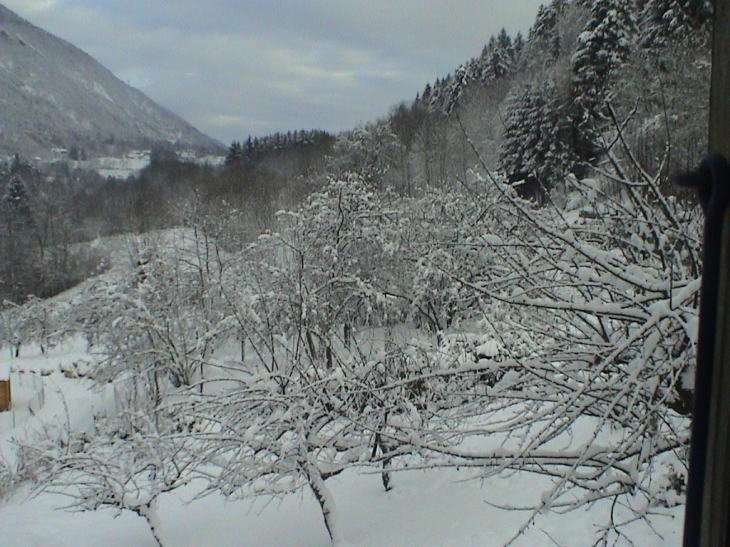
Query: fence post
5, 393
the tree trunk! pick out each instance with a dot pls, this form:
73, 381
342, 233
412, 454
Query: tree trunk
149, 513
311, 346
385, 475
347, 334
325, 500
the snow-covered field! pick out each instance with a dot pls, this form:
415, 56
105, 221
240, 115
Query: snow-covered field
120, 168
424, 508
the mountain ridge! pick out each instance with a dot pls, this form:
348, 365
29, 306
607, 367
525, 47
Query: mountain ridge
54, 95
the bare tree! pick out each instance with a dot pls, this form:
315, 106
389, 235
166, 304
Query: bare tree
123, 465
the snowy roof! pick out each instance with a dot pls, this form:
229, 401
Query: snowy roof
4, 369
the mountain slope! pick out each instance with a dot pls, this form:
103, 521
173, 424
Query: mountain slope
52, 94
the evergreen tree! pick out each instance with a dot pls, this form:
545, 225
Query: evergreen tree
426, 97
457, 84
17, 202
235, 153
544, 34
603, 46
502, 55
666, 20
518, 45
19, 263
536, 148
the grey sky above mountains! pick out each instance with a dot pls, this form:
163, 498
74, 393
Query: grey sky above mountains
239, 67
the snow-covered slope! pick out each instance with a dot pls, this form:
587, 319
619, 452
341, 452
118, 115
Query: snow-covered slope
53, 95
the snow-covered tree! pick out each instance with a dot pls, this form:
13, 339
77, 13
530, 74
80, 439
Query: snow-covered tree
369, 151
536, 148
518, 45
121, 465
544, 38
37, 321
157, 323
457, 84
593, 302
502, 55
665, 20
301, 407
603, 46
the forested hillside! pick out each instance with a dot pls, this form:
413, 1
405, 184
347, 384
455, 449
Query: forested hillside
553, 104
497, 276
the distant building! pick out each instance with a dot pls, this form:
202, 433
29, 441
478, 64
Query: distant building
59, 154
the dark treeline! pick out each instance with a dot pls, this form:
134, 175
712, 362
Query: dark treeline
307, 143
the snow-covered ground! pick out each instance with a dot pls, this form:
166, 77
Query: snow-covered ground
424, 508
132, 164
120, 168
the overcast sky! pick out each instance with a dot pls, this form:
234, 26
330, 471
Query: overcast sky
239, 67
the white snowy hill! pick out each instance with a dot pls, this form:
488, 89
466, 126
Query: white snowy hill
53, 95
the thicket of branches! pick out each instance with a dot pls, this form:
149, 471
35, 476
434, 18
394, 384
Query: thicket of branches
422, 309
554, 339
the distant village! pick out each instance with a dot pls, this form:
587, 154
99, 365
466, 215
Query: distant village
118, 167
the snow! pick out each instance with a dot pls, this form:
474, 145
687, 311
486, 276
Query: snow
425, 508
489, 349
491, 239
121, 168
